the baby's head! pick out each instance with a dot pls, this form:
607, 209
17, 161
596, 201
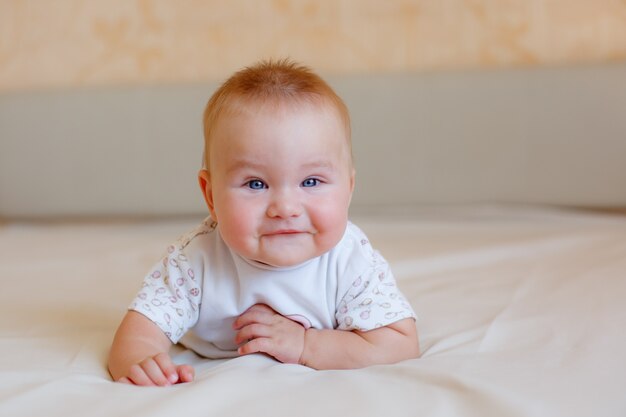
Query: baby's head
271, 83
278, 174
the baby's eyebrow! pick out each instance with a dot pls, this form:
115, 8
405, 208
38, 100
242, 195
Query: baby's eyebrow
242, 163
245, 163
326, 164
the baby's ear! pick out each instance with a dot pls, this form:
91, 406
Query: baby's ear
352, 180
204, 179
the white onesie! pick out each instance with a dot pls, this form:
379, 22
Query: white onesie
200, 287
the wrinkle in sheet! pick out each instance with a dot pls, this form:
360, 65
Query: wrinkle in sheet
476, 258
457, 393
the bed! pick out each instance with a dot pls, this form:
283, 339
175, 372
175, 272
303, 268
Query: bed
516, 267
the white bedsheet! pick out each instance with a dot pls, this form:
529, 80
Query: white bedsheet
522, 313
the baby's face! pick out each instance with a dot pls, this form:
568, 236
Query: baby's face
280, 182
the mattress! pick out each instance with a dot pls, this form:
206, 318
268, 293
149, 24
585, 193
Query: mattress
521, 313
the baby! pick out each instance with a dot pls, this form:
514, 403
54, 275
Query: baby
277, 268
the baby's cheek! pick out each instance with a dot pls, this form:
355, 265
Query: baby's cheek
331, 224
237, 229
243, 233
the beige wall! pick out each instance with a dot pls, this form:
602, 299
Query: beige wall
92, 42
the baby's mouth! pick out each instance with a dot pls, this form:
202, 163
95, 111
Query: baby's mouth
284, 232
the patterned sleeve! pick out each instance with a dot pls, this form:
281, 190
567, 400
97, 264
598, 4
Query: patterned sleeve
373, 299
170, 295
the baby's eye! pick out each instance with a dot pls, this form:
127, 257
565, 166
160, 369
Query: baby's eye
256, 184
310, 182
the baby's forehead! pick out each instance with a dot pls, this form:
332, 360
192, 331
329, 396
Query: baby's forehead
235, 112
242, 128
280, 105
286, 107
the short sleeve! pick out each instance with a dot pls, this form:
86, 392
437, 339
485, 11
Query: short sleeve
373, 299
170, 295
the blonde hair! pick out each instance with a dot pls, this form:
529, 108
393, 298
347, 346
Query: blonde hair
277, 82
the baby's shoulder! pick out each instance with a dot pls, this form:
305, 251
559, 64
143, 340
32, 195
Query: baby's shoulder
194, 241
355, 252
188, 253
206, 228
356, 242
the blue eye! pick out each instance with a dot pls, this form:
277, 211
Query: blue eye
310, 182
256, 184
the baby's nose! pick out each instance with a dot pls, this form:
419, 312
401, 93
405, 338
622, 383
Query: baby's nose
284, 204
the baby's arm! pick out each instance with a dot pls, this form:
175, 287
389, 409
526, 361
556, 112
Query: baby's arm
261, 329
341, 349
139, 354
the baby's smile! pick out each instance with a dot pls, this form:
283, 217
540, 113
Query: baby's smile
287, 232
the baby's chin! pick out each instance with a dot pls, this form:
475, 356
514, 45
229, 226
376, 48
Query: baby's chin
289, 259
286, 252
285, 261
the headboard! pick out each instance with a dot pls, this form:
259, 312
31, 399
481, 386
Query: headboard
536, 135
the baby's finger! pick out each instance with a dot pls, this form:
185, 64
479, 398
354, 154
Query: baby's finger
186, 373
255, 314
125, 380
167, 367
252, 331
154, 372
261, 344
138, 376
262, 308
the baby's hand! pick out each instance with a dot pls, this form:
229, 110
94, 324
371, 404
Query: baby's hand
262, 329
158, 370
